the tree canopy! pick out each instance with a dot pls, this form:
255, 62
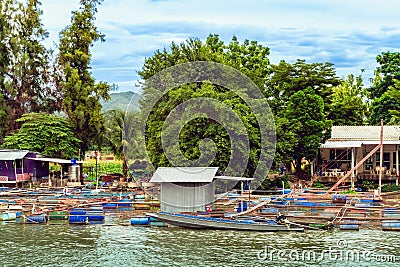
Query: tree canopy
81, 93
25, 71
44, 133
394, 94
386, 73
348, 105
250, 57
285, 79
307, 123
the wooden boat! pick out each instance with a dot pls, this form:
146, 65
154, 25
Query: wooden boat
204, 222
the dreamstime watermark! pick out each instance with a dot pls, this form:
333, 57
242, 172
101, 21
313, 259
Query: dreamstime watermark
338, 253
252, 106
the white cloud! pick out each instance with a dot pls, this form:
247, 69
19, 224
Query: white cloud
347, 33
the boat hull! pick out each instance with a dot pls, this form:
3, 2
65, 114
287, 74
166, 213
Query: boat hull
197, 222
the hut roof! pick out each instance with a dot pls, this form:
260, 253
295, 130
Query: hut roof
364, 133
184, 175
12, 154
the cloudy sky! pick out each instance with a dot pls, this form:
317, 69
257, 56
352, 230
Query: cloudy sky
348, 33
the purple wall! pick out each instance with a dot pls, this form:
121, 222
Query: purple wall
35, 168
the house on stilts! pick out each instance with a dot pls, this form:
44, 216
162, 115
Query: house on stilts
348, 145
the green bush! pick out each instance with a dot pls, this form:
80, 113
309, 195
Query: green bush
318, 184
390, 188
368, 185
349, 192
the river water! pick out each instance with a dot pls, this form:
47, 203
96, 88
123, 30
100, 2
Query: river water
114, 244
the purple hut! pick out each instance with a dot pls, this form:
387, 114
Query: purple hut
18, 166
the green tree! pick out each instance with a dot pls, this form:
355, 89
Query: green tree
43, 133
81, 93
348, 102
307, 125
24, 64
249, 57
119, 131
286, 79
394, 94
5, 29
387, 71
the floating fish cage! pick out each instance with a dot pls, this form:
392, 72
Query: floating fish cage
58, 215
78, 219
350, 225
393, 225
39, 218
391, 213
144, 220
97, 216
270, 210
77, 211
109, 206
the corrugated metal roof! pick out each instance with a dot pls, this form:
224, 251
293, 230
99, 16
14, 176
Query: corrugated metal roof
184, 174
341, 144
233, 178
361, 133
6, 154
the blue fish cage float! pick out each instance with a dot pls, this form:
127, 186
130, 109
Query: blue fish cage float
142, 220
38, 218
77, 216
391, 225
78, 219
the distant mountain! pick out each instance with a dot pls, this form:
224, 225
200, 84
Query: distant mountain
122, 101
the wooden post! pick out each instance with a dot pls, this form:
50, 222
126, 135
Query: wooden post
61, 175
352, 167
380, 160
15, 171
397, 165
97, 176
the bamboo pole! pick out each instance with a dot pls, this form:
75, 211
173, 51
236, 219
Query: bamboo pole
381, 160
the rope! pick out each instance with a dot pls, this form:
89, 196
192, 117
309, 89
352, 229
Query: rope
346, 206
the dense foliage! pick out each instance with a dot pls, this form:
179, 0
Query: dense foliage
384, 101
81, 93
25, 71
305, 98
250, 58
46, 134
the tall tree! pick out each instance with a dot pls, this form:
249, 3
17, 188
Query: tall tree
307, 122
81, 93
387, 71
348, 102
118, 132
287, 79
24, 64
394, 94
44, 133
249, 57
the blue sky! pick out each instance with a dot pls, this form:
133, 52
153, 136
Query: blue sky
349, 34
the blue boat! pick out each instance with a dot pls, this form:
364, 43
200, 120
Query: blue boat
203, 222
